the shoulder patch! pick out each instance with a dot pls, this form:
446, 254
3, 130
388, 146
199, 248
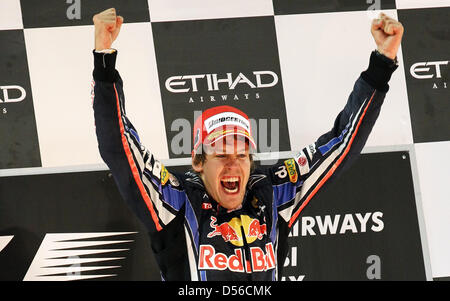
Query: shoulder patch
302, 163
292, 171
311, 150
164, 175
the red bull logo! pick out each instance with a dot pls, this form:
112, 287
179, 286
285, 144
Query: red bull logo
255, 229
231, 231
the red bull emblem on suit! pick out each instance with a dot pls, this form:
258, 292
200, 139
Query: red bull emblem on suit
231, 231
260, 260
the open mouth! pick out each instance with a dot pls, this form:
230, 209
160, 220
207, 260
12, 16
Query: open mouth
230, 184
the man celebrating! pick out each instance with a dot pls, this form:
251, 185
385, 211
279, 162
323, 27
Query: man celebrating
227, 220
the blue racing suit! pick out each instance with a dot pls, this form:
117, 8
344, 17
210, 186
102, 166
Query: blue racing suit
192, 236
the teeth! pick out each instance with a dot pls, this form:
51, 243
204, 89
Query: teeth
232, 179
231, 190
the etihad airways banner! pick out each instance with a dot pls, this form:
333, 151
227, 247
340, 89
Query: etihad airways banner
207, 63
427, 72
18, 133
75, 226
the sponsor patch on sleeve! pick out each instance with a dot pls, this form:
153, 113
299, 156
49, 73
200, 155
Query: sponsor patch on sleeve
311, 150
292, 171
157, 169
164, 175
302, 162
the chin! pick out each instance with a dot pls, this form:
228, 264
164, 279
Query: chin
231, 203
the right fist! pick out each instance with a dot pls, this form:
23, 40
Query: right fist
107, 28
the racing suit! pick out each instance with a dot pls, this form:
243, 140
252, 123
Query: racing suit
192, 236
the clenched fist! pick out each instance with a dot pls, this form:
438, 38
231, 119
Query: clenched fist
107, 28
387, 33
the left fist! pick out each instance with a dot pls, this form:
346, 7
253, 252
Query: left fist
387, 33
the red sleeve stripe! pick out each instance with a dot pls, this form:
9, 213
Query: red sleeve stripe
333, 168
133, 167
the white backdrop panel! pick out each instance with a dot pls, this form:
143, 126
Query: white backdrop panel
177, 10
10, 15
433, 164
60, 61
321, 56
404, 4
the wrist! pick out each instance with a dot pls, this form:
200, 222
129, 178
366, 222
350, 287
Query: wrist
107, 51
101, 46
391, 56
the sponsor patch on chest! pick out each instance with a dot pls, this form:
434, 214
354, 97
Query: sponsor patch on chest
260, 259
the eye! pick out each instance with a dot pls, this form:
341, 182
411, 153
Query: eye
220, 156
242, 156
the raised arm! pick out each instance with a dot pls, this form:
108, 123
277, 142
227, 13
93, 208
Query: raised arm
142, 180
334, 151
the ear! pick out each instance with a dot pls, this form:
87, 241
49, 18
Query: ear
197, 167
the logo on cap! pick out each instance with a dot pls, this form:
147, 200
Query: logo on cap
218, 122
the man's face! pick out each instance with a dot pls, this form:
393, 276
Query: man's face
226, 170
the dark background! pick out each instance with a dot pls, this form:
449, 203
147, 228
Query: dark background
379, 182
286, 7
52, 13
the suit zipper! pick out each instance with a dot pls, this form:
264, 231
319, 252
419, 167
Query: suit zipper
247, 254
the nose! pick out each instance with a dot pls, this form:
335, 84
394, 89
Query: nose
232, 161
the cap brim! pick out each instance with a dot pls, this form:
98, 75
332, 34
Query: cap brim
250, 139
